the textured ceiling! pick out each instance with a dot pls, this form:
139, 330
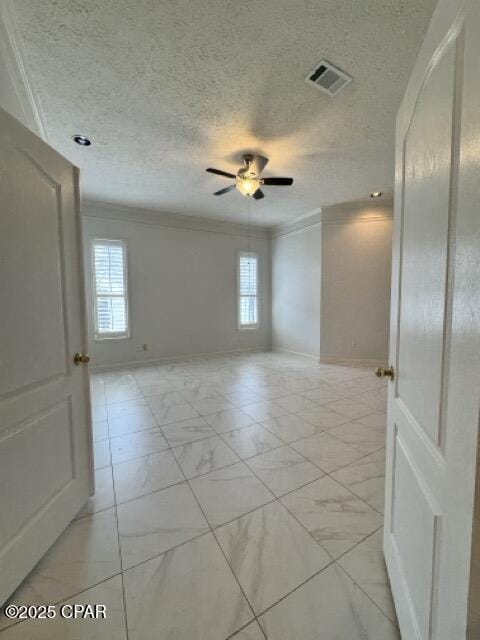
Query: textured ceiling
167, 88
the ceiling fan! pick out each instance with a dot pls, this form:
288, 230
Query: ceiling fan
248, 180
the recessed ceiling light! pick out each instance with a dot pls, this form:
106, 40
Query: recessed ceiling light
83, 141
375, 194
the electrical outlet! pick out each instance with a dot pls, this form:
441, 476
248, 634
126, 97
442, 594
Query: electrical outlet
141, 347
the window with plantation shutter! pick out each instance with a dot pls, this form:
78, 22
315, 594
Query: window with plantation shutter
110, 289
248, 290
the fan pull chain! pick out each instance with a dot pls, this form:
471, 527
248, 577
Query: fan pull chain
249, 249
248, 224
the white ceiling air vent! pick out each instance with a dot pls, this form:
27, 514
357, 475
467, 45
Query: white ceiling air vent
328, 78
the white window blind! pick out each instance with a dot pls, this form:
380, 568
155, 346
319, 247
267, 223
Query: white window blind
248, 289
110, 288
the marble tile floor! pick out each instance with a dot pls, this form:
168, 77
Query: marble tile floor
236, 497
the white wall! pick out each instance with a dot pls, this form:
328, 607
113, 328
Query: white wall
356, 265
183, 289
296, 267
330, 293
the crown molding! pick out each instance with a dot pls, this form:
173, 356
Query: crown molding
312, 219
17, 72
360, 211
111, 211
365, 210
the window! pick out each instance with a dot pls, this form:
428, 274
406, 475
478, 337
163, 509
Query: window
110, 289
247, 290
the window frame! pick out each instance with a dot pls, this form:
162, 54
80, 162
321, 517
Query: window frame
118, 335
240, 326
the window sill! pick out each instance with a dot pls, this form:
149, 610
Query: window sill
249, 327
112, 338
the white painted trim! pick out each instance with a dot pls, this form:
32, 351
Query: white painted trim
359, 211
299, 224
310, 356
384, 202
336, 214
112, 211
188, 356
248, 327
364, 210
296, 230
111, 337
351, 220
353, 362
16, 69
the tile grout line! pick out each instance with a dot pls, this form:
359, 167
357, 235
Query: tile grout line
119, 545
224, 433
359, 585
219, 546
329, 474
70, 597
236, 633
212, 529
334, 561
254, 421
245, 461
142, 396
325, 473
119, 574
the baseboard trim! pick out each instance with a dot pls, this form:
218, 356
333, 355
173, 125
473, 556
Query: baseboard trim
133, 364
353, 362
296, 353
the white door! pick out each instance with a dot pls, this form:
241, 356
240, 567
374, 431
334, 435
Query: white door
45, 430
435, 330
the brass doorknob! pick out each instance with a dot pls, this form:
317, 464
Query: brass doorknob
81, 358
385, 372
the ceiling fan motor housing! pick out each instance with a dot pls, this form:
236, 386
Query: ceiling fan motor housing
244, 171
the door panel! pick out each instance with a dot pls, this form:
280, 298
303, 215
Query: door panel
33, 283
48, 439
433, 403
417, 541
426, 212
45, 429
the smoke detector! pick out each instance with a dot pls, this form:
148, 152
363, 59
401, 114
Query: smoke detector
328, 78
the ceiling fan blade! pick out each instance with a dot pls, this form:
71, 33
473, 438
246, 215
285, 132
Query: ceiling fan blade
218, 172
259, 163
225, 190
278, 181
258, 195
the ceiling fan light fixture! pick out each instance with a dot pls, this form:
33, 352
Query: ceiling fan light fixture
247, 185
248, 179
